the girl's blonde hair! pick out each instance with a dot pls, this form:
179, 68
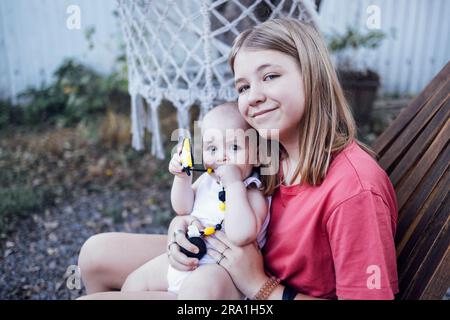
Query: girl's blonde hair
327, 125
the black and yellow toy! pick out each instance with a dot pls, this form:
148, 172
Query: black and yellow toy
196, 236
187, 159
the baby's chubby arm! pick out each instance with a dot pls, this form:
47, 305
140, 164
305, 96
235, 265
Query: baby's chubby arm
182, 194
246, 209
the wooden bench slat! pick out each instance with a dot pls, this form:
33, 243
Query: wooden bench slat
434, 182
411, 233
406, 138
422, 142
410, 183
437, 287
434, 243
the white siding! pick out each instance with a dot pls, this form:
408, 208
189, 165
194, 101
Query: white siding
417, 45
34, 40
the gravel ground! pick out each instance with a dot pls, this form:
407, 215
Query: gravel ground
34, 259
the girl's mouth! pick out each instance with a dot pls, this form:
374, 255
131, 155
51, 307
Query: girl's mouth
262, 112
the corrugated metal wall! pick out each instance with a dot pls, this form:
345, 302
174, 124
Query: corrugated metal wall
417, 44
34, 39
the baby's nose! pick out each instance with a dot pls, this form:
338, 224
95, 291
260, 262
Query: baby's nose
221, 156
224, 157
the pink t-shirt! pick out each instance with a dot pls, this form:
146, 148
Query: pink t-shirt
336, 239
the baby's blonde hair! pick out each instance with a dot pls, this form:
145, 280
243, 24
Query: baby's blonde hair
227, 109
327, 125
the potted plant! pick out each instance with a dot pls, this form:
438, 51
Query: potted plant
359, 82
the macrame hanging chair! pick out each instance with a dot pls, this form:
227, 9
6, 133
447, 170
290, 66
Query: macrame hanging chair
178, 49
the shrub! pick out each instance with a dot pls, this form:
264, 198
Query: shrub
77, 93
20, 200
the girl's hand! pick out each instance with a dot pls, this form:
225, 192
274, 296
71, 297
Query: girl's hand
176, 238
228, 174
244, 264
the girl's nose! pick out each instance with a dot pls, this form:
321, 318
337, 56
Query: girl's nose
255, 96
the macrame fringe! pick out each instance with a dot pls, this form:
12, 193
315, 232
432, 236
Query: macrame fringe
160, 33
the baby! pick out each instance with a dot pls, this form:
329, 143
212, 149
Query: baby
242, 214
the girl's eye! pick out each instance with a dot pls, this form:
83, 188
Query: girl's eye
242, 88
271, 77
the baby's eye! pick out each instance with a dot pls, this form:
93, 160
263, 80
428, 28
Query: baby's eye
211, 149
235, 147
271, 76
242, 88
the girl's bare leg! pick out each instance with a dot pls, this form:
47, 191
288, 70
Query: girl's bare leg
152, 276
209, 282
107, 259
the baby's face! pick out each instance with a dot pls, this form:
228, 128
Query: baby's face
229, 140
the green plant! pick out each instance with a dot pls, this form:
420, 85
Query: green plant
42, 104
5, 113
77, 93
20, 200
89, 36
352, 38
345, 45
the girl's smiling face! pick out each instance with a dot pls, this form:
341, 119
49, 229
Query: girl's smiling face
271, 91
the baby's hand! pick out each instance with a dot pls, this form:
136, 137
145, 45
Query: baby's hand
227, 174
175, 166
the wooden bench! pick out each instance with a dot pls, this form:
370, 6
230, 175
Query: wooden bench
415, 153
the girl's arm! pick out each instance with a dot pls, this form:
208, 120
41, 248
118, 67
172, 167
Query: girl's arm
245, 266
245, 212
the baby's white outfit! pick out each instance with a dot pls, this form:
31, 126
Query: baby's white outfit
206, 209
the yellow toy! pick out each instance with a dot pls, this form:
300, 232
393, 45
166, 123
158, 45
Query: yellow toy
186, 157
